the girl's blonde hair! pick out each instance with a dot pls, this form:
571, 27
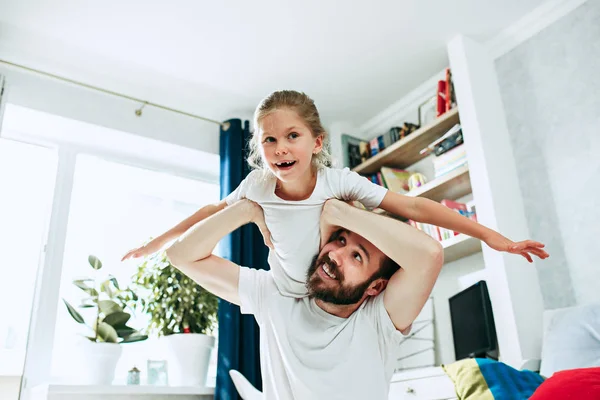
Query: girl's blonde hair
306, 109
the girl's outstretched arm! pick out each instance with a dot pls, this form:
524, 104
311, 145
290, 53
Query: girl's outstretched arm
175, 232
430, 212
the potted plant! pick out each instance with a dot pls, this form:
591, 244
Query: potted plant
182, 313
108, 327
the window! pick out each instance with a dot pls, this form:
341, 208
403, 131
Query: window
27, 176
115, 207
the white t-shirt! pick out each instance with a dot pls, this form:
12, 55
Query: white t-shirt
294, 225
307, 353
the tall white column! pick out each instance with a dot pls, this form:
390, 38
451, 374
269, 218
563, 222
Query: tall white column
38, 359
3, 95
513, 283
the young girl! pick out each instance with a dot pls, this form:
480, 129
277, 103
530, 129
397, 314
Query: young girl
292, 179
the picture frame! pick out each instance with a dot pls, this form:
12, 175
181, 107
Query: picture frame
428, 111
350, 151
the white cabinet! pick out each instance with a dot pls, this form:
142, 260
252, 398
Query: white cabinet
422, 384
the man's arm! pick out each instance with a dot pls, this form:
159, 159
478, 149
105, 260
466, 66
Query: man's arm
192, 253
158, 242
419, 256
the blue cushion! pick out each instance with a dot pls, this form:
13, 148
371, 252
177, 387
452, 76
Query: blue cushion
485, 379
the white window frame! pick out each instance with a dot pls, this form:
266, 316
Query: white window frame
72, 138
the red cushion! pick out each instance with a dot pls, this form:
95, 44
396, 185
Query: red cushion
576, 384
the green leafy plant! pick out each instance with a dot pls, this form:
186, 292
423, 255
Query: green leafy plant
174, 302
109, 301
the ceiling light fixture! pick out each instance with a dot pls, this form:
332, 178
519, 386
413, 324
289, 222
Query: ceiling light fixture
138, 112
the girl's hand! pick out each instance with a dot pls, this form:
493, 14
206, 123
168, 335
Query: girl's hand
143, 251
526, 248
258, 217
331, 217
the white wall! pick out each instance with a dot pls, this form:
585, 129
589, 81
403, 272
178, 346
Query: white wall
22, 123
9, 387
403, 110
66, 100
335, 130
549, 86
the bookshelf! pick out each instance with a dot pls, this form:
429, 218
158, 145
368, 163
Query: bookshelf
453, 185
405, 152
460, 246
455, 248
495, 181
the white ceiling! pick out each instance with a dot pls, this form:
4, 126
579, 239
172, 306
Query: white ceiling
219, 58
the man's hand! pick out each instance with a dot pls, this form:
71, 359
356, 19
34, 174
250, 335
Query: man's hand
257, 216
525, 248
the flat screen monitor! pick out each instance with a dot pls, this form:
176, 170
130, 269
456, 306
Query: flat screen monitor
473, 322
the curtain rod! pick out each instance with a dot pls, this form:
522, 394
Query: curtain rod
225, 125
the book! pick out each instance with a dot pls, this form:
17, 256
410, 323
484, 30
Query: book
449, 168
381, 143
381, 180
435, 232
460, 208
365, 150
395, 133
472, 210
396, 179
431, 147
374, 144
449, 90
449, 161
450, 93
454, 139
441, 98
455, 205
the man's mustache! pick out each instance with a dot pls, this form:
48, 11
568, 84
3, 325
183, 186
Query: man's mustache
332, 266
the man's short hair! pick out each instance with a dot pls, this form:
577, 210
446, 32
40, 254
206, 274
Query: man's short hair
388, 268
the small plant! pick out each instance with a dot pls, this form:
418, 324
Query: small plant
174, 302
109, 301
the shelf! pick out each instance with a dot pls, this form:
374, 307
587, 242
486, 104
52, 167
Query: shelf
460, 246
455, 248
453, 185
405, 152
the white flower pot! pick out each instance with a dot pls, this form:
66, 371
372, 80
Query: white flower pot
188, 356
99, 361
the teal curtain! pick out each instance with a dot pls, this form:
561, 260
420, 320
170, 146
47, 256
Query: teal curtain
238, 334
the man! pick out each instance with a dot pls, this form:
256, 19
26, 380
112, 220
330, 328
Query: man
341, 341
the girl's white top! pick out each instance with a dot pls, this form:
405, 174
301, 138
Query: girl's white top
294, 225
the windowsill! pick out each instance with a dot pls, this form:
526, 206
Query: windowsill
9, 376
123, 390
11, 363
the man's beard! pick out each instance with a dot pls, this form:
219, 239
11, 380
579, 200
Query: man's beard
339, 295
